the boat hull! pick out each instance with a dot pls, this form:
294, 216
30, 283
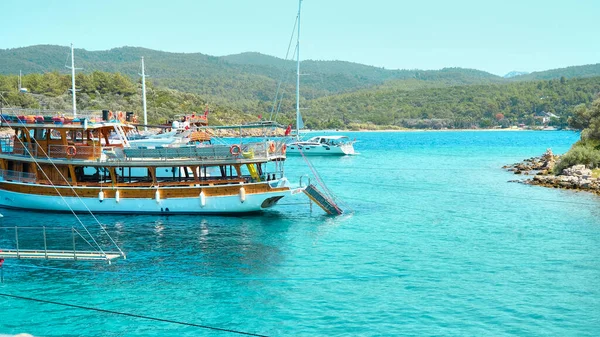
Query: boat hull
319, 150
111, 203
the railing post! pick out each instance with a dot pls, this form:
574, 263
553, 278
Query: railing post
45, 243
73, 236
17, 240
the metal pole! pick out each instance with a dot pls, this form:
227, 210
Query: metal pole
144, 96
298, 118
17, 240
45, 244
73, 80
73, 236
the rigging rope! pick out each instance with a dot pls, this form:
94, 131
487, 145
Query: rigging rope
283, 72
26, 148
106, 311
320, 182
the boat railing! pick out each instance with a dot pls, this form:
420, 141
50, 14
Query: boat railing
57, 243
79, 151
6, 144
259, 150
213, 152
14, 112
16, 176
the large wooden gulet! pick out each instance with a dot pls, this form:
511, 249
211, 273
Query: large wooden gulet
91, 166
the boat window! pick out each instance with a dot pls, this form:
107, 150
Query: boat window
54, 134
40, 134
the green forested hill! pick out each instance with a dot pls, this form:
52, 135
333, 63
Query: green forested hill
336, 93
589, 70
113, 91
422, 106
456, 106
245, 81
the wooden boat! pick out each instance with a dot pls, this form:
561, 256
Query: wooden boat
80, 167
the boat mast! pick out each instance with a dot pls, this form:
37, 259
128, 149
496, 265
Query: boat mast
298, 117
144, 96
19, 81
72, 67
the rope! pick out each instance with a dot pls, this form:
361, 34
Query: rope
130, 315
26, 148
282, 73
328, 193
275, 279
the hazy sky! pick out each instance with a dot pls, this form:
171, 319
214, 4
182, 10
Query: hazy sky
495, 36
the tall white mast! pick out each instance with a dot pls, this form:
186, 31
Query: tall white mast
298, 116
73, 90
19, 81
144, 96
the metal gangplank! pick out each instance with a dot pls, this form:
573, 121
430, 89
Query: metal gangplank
58, 244
319, 198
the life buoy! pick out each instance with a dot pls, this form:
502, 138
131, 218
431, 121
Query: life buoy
272, 147
235, 150
283, 149
71, 151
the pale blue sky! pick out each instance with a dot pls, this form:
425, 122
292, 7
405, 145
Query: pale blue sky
495, 36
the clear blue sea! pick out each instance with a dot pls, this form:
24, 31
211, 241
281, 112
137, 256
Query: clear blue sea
438, 243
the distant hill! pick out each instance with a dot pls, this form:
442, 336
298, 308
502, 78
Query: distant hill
337, 93
589, 70
515, 73
247, 81
467, 106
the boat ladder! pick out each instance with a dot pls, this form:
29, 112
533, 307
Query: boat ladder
319, 198
14, 248
122, 136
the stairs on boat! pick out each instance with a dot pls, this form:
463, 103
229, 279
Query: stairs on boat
326, 203
122, 136
253, 172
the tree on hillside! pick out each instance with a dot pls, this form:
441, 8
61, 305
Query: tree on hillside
587, 120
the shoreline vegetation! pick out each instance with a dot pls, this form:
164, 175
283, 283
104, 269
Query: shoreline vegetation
579, 168
536, 104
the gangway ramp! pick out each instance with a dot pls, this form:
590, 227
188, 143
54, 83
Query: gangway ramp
323, 201
51, 243
59, 255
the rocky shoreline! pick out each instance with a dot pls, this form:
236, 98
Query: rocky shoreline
577, 177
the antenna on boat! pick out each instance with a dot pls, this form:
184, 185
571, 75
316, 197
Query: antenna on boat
143, 74
73, 90
298, 117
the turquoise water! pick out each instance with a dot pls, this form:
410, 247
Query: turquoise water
439, 243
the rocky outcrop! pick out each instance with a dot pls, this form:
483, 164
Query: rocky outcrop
577, 177
541, 165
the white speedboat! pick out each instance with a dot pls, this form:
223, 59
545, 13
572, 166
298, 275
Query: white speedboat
322, 146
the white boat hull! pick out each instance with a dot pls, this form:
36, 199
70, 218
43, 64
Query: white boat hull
189, 205
294, 149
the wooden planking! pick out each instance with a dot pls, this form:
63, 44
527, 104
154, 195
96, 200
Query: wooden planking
144, 192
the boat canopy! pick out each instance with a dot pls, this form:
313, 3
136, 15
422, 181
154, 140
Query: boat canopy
317, 138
